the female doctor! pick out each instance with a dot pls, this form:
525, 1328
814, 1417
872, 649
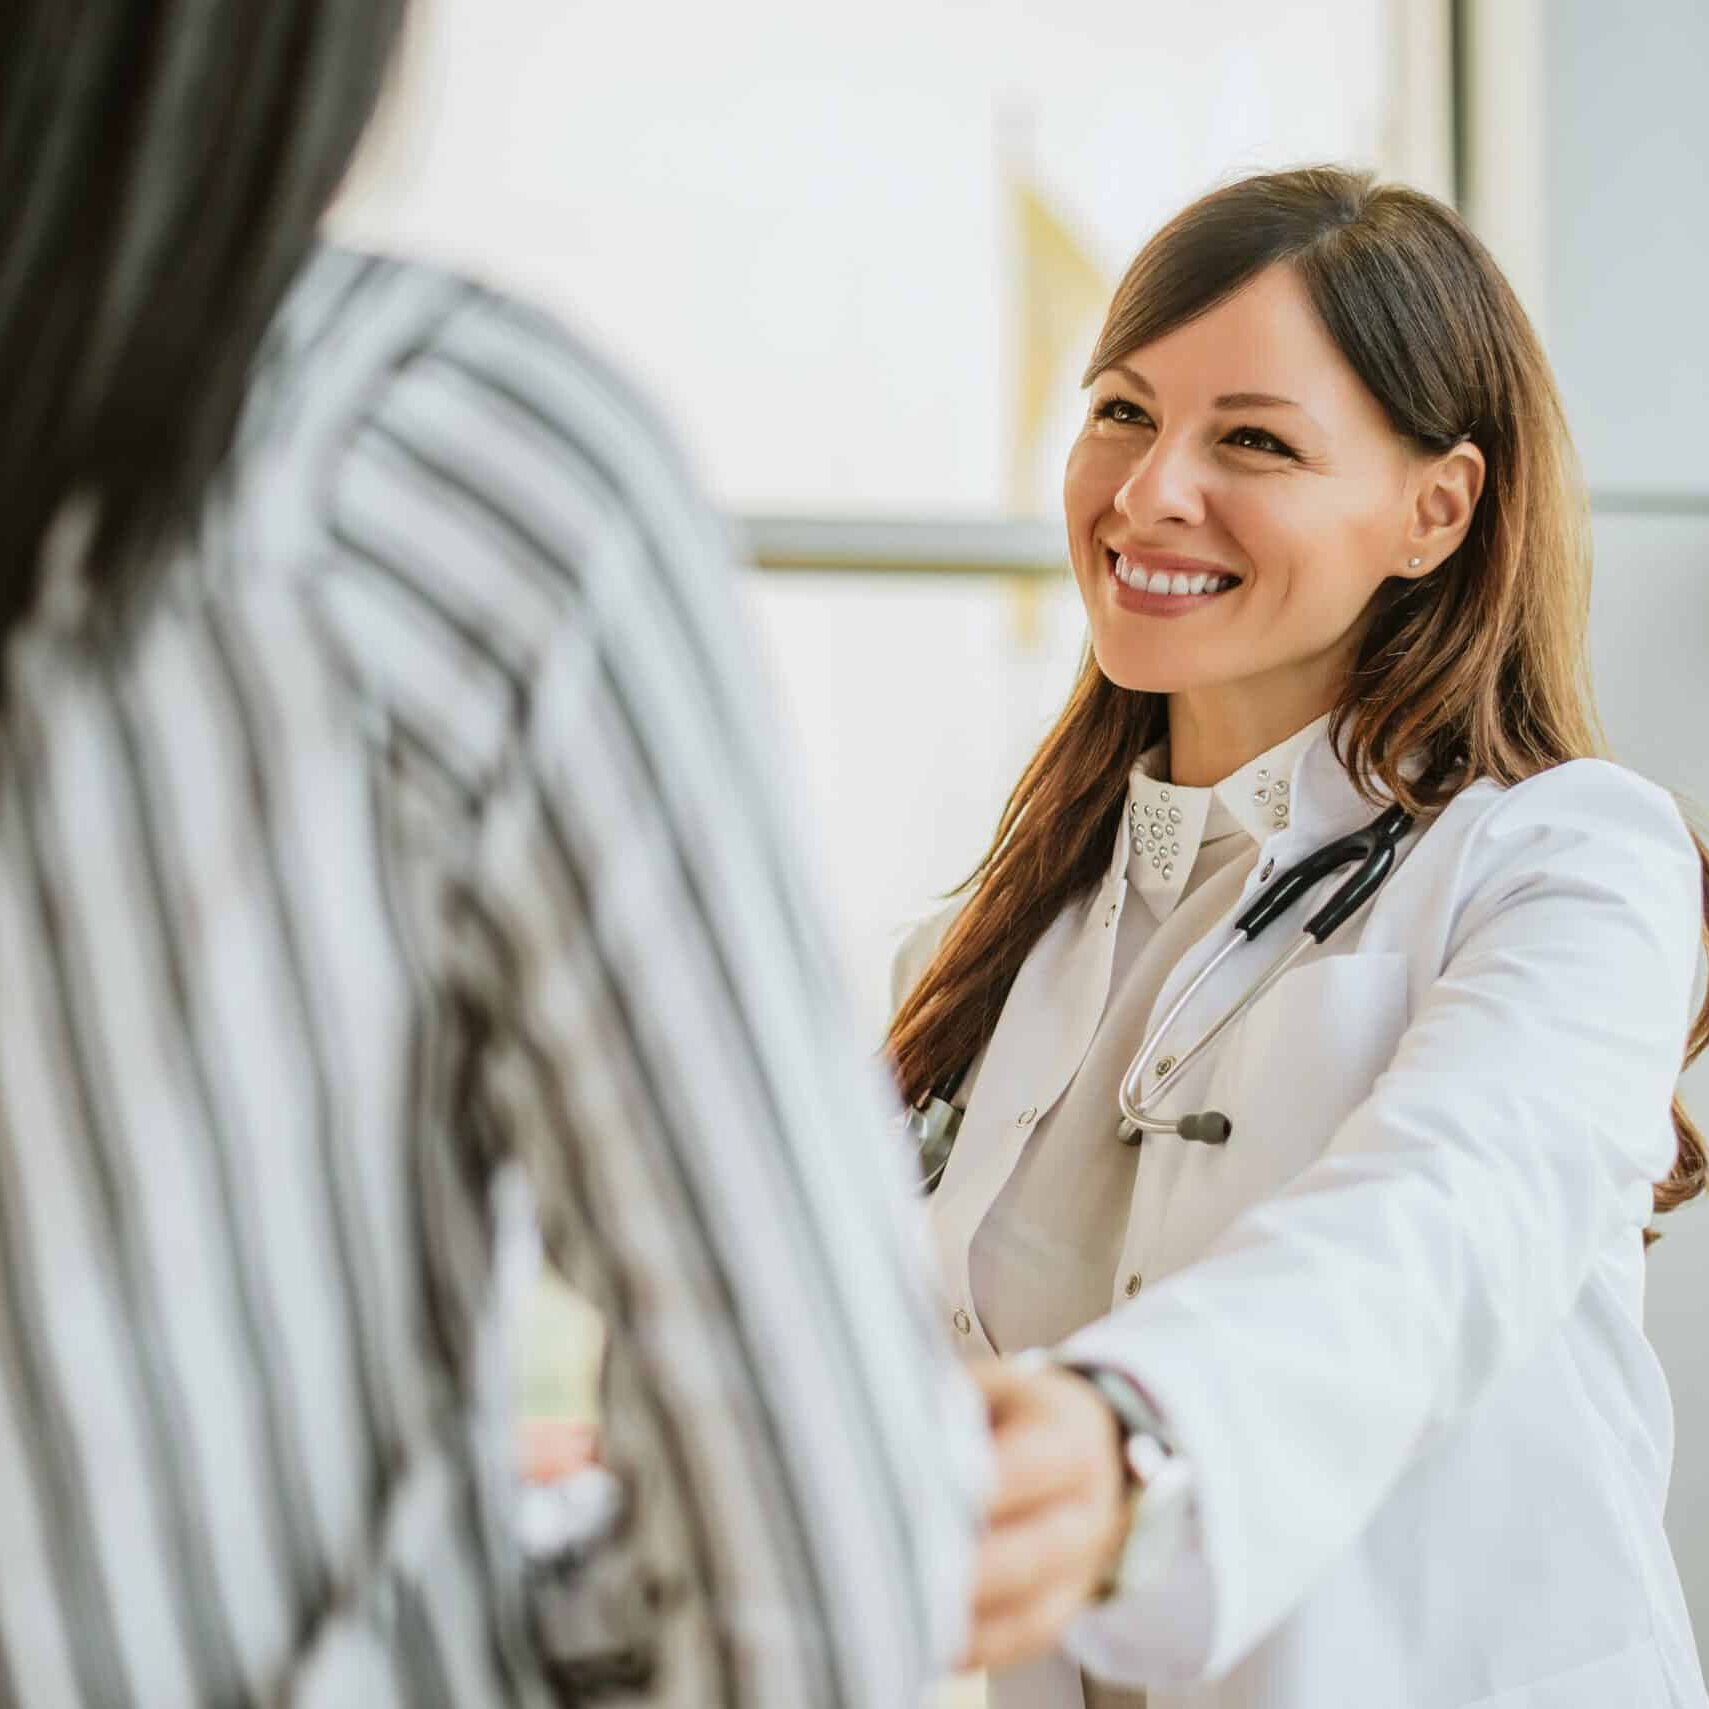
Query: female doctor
1353, 1409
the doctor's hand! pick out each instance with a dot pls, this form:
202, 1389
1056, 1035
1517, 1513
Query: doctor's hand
1058, 1517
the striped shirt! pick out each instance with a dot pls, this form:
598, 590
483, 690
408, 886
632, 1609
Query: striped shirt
422, 835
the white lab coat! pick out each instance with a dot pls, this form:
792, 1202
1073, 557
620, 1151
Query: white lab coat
1396, 1322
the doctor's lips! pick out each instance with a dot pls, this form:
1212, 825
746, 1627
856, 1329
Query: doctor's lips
1168, 573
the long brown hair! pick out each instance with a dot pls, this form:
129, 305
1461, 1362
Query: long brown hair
1478, 670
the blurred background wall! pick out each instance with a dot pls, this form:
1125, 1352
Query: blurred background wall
858, 257
844, 258
1626, 249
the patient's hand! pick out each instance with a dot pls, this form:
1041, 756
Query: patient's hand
557, 1448
1058, 1516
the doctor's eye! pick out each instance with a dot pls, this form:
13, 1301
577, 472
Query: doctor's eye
1121, 411
1258, 439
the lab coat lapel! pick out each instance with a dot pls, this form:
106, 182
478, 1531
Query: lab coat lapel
1047, 1024
1052, 1011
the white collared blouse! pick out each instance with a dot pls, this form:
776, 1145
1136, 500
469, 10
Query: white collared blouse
1044, 1257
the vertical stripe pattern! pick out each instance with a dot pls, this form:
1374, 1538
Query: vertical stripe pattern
424, 832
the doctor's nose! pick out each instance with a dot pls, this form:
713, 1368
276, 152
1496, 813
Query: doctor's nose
1162, 486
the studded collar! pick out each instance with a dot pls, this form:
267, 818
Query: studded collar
1165, 825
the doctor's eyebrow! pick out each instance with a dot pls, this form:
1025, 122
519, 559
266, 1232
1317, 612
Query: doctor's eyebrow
1255, 400
1228, 400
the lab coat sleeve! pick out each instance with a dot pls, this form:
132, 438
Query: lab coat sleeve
663, 1045
1454, 1216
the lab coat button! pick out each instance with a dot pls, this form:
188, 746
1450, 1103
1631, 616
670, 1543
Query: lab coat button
1027, 1116
1164, 1066
963, 1323
1264, 876
1133, 1285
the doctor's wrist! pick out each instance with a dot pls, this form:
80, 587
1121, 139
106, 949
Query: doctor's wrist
1130, 1418
1144, 1449
1142, 1436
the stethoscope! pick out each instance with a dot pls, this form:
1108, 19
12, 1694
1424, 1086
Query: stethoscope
934, 1122
1374, 849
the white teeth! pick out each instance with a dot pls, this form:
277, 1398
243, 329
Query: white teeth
1161, 581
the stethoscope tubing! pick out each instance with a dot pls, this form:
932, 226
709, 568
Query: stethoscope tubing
1374, 849
1136, 1118
934, 1122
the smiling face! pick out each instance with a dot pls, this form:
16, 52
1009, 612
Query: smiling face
1239, 463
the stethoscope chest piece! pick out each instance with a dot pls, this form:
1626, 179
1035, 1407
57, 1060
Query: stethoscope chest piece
932, 1126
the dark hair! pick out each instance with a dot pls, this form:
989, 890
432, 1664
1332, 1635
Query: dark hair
164, 165
1477, 670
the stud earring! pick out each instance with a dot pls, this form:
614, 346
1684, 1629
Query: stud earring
1413, 563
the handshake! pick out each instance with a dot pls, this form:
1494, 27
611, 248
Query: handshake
1054, 1525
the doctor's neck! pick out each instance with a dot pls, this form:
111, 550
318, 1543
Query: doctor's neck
1216, 729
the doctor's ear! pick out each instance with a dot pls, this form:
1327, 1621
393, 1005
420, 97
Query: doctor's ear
1444, 500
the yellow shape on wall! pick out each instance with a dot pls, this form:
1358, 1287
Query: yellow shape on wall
1062, 292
